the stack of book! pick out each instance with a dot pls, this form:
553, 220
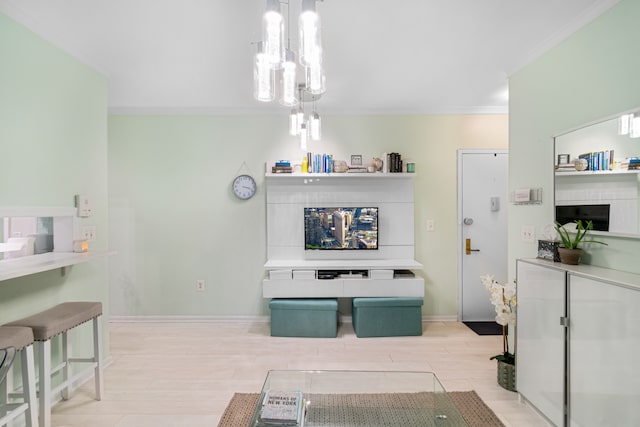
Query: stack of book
357, 169
567, 167
630, 163
282, 166
282, 408
394, 162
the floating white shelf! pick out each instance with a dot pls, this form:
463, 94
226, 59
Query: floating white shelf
599, 173
346, 175
24, 266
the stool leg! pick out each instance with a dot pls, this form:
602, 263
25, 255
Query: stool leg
29, 385
4, 393
6, 387
97, 355
44, 398
66, 367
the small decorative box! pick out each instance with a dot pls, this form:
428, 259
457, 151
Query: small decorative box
548, 249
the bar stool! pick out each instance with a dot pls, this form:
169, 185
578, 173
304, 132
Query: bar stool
59, 320
20, 338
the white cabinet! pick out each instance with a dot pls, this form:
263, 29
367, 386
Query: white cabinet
347, 288
540, 339
604, 349
577, 343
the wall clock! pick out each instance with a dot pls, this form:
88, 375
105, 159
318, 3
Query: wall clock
244, 187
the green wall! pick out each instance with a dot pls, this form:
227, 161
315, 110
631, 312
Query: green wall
173, 218
592, 74
53, 143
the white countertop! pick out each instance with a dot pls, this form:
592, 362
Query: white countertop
24, 266
616, 277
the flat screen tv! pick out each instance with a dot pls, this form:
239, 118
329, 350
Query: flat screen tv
598, 214
347, 228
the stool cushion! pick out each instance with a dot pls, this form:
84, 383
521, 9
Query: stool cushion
15, 336
388, 302
386, 317
60, 318
304, 318
304, 304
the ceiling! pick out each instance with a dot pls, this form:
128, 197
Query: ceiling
380, 57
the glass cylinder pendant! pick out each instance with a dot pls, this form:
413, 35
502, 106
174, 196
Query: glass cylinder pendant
310, 41
314, 126
634, 127
303, 137
263, 79
294, 128
289, 82
314, 78
624, 124
273, 33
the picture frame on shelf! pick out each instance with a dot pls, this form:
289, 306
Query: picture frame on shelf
563, 159
356, 159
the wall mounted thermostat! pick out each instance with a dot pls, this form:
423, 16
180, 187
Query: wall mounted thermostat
83, 205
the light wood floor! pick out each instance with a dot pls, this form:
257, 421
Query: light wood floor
184, 374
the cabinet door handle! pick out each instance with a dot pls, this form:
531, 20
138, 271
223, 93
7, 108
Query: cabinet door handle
564, 321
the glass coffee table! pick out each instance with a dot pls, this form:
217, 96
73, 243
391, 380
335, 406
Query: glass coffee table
361, 398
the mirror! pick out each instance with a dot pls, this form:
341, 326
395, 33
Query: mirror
597, 170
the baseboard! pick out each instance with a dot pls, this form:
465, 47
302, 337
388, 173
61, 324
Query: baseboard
187, 319
223, 319
440, 318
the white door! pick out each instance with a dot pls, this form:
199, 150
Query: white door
482, 218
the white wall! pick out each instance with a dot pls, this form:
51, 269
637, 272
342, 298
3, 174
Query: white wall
174, 219
53, 143
591, 75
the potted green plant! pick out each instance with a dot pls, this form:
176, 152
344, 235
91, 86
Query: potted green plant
503, 298
569, 252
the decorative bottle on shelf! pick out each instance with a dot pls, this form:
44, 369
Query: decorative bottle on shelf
305, 165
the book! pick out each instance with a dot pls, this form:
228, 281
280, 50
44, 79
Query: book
281, 408
281, 169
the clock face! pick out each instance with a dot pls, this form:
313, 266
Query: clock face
244, 187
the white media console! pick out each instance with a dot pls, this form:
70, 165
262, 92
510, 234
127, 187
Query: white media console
293, 272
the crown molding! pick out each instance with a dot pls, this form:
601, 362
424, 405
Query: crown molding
186, 111
577, 23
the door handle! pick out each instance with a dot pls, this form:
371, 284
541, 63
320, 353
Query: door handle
468, 247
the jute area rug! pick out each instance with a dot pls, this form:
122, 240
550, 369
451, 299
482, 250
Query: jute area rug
376, 410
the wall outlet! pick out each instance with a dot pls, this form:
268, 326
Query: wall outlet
528, 233
200, 285
88, 233
431, 226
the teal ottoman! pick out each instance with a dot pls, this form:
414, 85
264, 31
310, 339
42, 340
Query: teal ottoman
387, 317
316, 318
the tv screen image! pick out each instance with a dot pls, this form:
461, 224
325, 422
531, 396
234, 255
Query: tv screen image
346, 228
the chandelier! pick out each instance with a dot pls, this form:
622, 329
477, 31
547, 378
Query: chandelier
277, 74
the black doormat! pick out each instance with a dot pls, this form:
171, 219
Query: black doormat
485, 328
